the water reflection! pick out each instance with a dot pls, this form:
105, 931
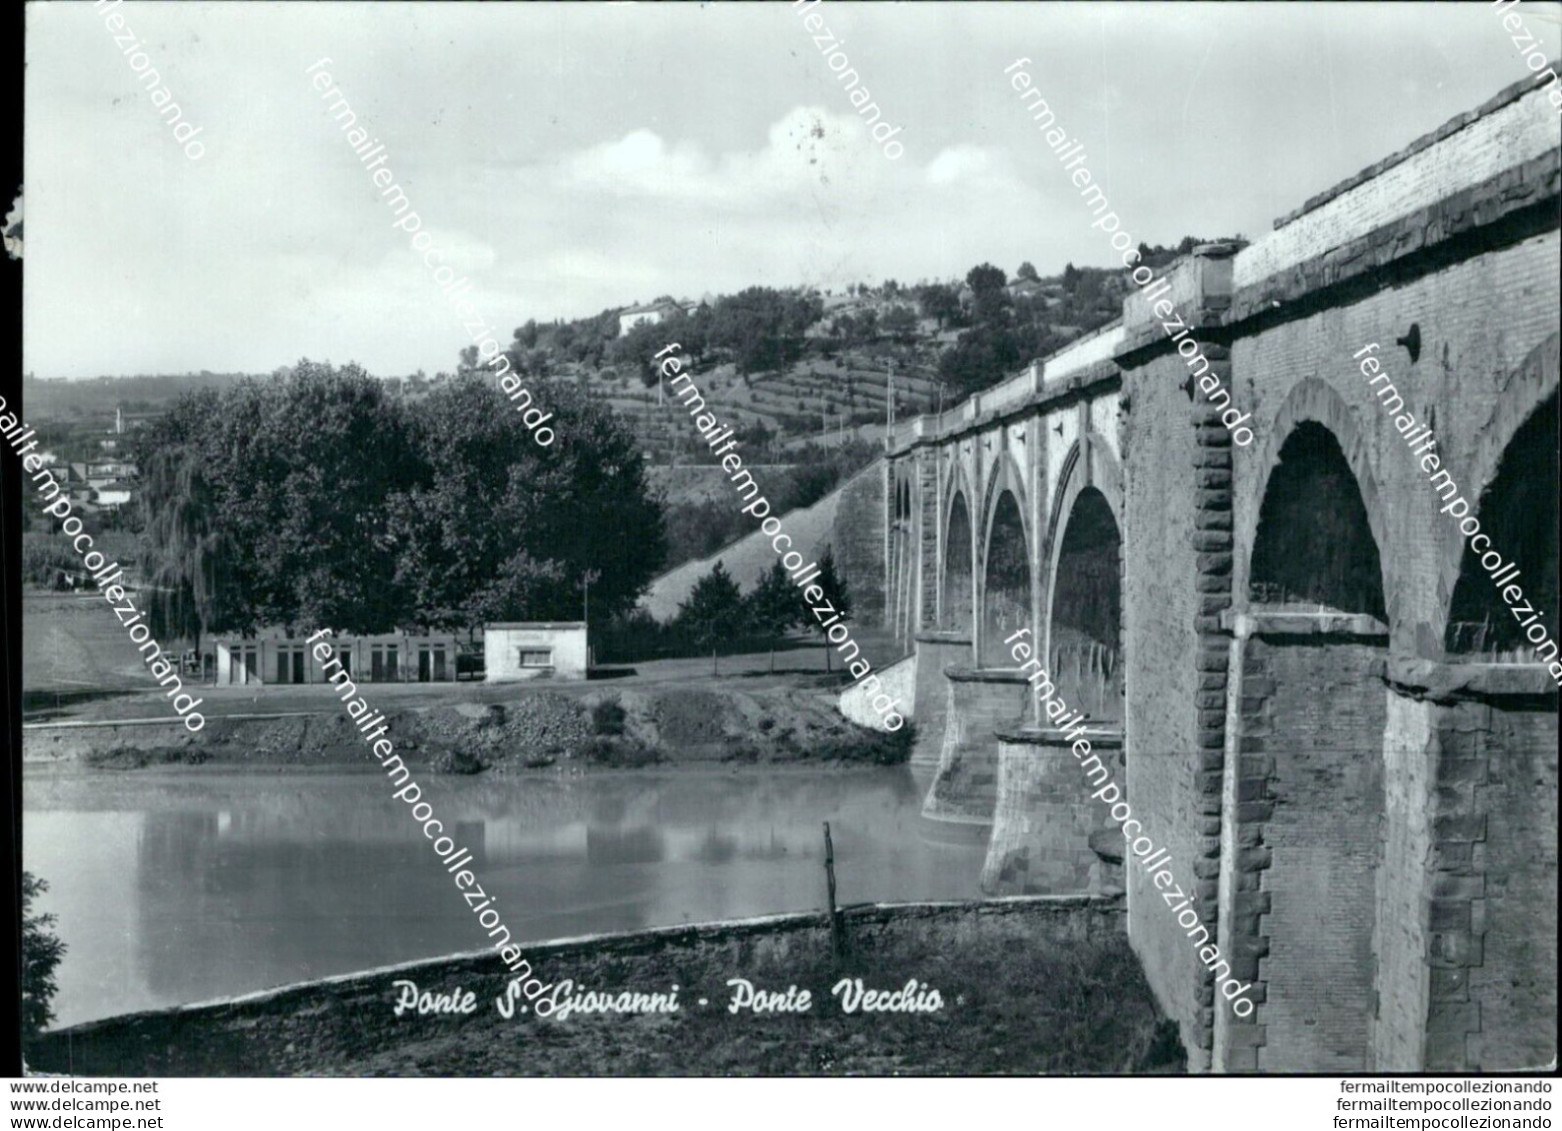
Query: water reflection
178, 887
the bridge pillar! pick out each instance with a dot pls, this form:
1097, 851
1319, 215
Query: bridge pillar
1045, 817
1469, 971
981, 702
1461, 971
928, 505
936, 651
1304, 824
905, 585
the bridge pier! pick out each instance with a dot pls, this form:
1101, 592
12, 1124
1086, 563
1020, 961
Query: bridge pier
1045, 817
1490, 900
981, 701
935, 651
1468, 967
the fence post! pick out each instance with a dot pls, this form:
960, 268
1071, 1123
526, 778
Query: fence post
837, 943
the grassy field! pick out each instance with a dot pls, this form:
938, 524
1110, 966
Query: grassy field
73, 647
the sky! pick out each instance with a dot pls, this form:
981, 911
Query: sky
569, 157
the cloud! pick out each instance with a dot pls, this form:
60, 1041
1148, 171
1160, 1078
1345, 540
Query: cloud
956, 163
559, 193
808, 148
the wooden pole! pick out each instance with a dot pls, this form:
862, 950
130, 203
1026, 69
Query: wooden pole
836, 942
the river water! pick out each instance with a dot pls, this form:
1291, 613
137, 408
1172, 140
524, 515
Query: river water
183, 886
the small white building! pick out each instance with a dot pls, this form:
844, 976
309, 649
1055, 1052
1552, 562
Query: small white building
535, 650
112, 495
637, 315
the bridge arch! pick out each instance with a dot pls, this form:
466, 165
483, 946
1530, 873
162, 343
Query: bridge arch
957, 589
1518, 517
1515, 472
1531, 384
1083, 583
1313, 716
1004, 596
1316, 402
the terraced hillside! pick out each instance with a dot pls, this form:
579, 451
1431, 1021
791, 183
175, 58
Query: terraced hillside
817, 396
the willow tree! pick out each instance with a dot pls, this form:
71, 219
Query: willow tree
184, 549
265, 505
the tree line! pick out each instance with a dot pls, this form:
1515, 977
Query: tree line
717, 616
316, 499
1003, 330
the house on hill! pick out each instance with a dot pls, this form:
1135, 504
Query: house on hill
113, 494
652, 313
102, 473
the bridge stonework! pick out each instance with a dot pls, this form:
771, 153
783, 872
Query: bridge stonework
1354, 772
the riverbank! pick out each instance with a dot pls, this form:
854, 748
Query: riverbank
598, 725
1025, 986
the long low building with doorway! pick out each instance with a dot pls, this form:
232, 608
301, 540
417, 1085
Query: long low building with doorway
272, 656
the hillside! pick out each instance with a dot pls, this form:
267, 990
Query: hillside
811, 528
787, 366
818, 399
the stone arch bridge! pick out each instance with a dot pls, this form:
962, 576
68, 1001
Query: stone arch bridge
1309, 690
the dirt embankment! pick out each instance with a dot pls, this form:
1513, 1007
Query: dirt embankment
1037, 985
535, 730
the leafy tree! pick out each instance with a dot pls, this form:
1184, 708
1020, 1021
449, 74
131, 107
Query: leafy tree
772, 608
266, 502
989, 286
985, 278
835, 593
763, 328
47, 561
313, 463
899, 322
1027, 272
713, 612
41, 954
940, 301
812, 480
867, 328
980, 358
698, 529
502, 528
639, 347
186, 550
533, 363
694, 331
315, 500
